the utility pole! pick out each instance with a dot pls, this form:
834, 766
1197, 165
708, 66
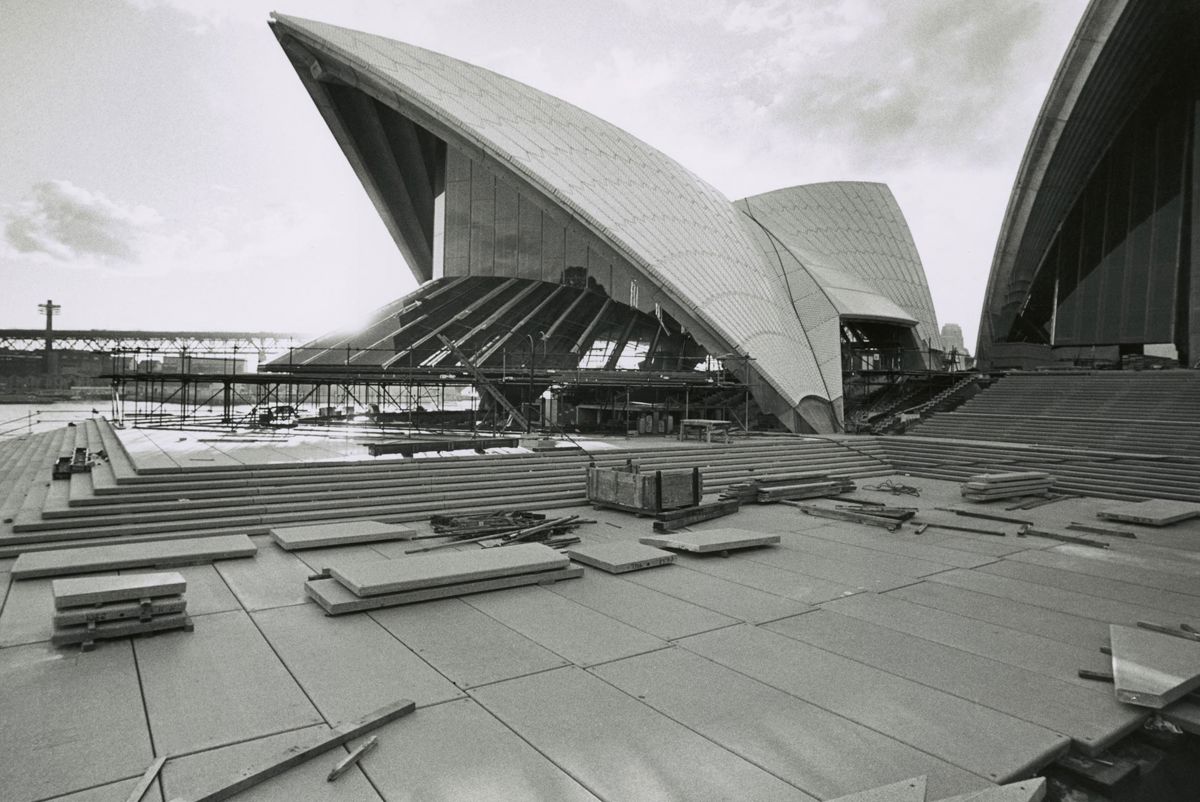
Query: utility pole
48, 309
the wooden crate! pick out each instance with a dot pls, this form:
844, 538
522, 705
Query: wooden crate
650, 492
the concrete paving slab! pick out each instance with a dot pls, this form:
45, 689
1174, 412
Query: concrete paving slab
1178, 604
157, 553
1089, 715
576, 633
835, 571
294, 538
779, 581
619, 557
1032, 652
1052, 624
274, 578
656, 613
70, 721
207, 591
1147, 572
217, 685
1078, 604
819, 752
900, 543
422, 757
866, 558
89, 590
316, 559
465, 645
910, 790
1151, 669
202, 772
619, 748
991, 744
710, 540
1024, 791
719, 595
349, 666
448, 568
27, 612
1155, 512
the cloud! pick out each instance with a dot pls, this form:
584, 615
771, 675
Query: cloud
67, 223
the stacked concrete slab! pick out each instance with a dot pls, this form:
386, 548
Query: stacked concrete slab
88, 609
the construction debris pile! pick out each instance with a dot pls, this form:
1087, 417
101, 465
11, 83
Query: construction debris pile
780, 488
502, 529
91, 608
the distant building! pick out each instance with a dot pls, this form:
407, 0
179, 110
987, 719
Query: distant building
1099, 252
546, 238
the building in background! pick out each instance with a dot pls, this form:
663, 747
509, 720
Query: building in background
1099, 253
552, 244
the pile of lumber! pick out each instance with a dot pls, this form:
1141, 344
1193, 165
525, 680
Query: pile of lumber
993, 486
792, 488
556, 533
353, 585
889, 518
88, 609
490, 522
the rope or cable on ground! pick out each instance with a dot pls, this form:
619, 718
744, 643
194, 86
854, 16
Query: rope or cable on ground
895, 488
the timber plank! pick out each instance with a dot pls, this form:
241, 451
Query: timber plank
1151, 669
1010, 646
156, 554
719, 595
112, 792
300, 753
994, 745
577, 633
349, 666
217, 685
818, 751
640, 607
1089, 715
190, 775
617, 747
452, 636
431, 570
89, 590
294, 538
69, 723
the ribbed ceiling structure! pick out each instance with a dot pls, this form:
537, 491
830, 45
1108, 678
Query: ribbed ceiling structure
739, 290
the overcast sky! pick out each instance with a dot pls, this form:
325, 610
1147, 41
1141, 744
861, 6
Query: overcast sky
163, 167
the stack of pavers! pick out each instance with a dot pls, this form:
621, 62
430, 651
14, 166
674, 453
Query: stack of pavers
994, 486
792, 487
350, 586
90, 608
